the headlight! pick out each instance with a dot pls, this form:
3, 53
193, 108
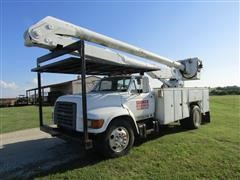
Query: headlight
95, 123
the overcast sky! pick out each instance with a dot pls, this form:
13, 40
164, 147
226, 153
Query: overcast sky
176, 30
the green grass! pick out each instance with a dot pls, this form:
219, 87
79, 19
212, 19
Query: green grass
211, 152
18, 118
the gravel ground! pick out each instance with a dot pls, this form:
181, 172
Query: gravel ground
26, 153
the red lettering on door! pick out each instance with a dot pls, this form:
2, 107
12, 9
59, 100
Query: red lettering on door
142, 104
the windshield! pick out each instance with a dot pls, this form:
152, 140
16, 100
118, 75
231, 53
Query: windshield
119, 84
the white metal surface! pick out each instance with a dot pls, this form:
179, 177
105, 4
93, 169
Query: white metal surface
205, 102
46, 38
99, 106
185, 104
47, 32
165, 104
50, 32
195, 94
173, 104
178, 113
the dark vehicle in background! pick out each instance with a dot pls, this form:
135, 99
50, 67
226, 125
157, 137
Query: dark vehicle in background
21, 101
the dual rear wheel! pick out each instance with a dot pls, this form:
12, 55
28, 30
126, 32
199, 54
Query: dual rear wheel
195, 119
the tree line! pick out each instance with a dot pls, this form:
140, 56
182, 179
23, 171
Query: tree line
227, 90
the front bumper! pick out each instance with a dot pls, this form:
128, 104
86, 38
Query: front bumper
67, 135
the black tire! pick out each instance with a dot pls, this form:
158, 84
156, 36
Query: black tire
104, 142
185, 123
195, 119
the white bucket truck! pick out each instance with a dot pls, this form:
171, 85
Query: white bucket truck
123, 106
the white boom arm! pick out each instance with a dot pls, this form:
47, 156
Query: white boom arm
63, 28
49, 32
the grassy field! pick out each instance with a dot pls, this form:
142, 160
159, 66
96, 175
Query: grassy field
211, 152
18, 118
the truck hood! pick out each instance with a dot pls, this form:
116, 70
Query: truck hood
95, 100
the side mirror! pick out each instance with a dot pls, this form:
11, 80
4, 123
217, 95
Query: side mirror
145, 85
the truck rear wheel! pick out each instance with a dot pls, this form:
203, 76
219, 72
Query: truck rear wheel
117, 140
195, 119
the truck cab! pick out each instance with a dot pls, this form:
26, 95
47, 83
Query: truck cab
111, 98
122, 100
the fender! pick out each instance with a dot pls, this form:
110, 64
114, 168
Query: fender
132, 116
108, 114
198, 103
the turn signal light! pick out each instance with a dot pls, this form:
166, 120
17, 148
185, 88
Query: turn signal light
95, 123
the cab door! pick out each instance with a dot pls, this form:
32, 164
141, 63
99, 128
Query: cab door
140, 101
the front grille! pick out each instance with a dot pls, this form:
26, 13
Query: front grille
65, 115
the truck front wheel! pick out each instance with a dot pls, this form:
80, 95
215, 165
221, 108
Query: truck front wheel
117, 140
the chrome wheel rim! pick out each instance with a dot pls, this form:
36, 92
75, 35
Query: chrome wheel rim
119, 139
